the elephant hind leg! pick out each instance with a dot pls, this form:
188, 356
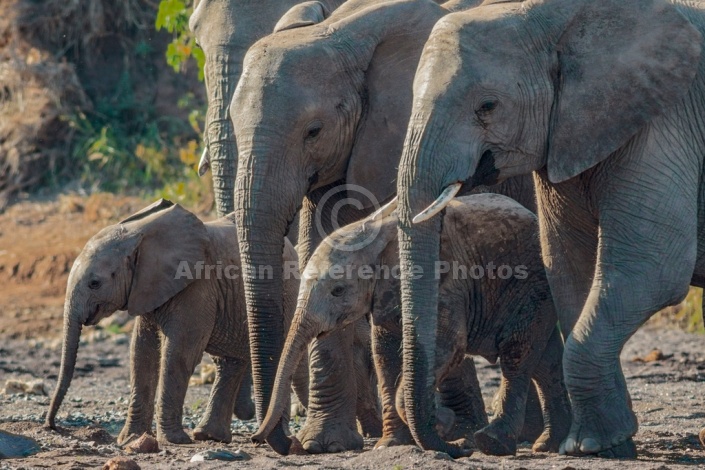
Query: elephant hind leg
367, 405
244, 406
215, 424
460, 392
554, 401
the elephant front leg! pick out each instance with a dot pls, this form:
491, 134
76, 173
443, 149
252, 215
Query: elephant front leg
330, 418
548, 377
460, 392
144, 364
367, 405
215, 424
244, 406
386, 348
181, 352
645, 261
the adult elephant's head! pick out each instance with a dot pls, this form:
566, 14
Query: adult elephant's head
507, 89
323, 103
134, 266
225, 29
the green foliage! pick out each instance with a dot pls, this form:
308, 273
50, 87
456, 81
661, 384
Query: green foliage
123, 146
173, 15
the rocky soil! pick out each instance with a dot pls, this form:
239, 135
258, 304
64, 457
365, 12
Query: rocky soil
37, 244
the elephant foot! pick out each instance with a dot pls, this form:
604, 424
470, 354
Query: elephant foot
398, 437
603, 426
370, 424
496, 439
244, 410
546, 442
209, 432
131, 431
329, 438
176, 436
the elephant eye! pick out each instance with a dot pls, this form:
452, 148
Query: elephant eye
314, 131
94, 284
487, 106
337, 291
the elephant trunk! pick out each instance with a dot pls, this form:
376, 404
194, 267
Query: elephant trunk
72, 335
262, 220
420, 184
303, 331
222, 75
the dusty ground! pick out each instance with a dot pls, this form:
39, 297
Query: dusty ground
37, 245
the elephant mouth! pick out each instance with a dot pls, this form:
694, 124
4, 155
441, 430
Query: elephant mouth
94, 317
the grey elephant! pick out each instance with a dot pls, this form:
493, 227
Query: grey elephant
327, 108
602, 99
225, 29
181, 278
494, 301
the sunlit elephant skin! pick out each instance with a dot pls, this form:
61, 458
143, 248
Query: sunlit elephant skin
602, 99
225, 29
181, 279
504, 311
327, 108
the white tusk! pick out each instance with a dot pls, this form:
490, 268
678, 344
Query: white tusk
385, 211
439, 204
204, 163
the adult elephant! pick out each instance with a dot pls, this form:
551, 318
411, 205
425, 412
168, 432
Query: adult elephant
327, 107
225, 29
603, 99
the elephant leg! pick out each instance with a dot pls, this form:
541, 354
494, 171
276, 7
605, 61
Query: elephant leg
215, 424
330, 418
367, 409
244, 406
548, 377
182, 350
386, 348
144, 363
300, 386
500, 436
645, 262
460, 392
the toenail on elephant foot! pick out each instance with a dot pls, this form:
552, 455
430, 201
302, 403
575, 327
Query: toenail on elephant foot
625, 450
205, 434
330, 439
493, 440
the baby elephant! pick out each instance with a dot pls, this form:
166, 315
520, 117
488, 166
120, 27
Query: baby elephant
494, 301
181, 278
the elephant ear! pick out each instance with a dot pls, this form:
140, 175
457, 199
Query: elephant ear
398, 31
303, 14
621, 63
172, 241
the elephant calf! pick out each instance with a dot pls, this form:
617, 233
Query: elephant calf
494, 301
181, 278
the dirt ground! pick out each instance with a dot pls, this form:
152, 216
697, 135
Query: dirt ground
38, 242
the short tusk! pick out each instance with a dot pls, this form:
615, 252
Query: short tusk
439, 204
385, 211
204, 163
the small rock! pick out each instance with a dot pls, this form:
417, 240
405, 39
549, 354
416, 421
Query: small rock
220, 454
121, 463
654, 356
441, 456
146, 444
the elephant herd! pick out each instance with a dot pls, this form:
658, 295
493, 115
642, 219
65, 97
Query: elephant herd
589, 114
